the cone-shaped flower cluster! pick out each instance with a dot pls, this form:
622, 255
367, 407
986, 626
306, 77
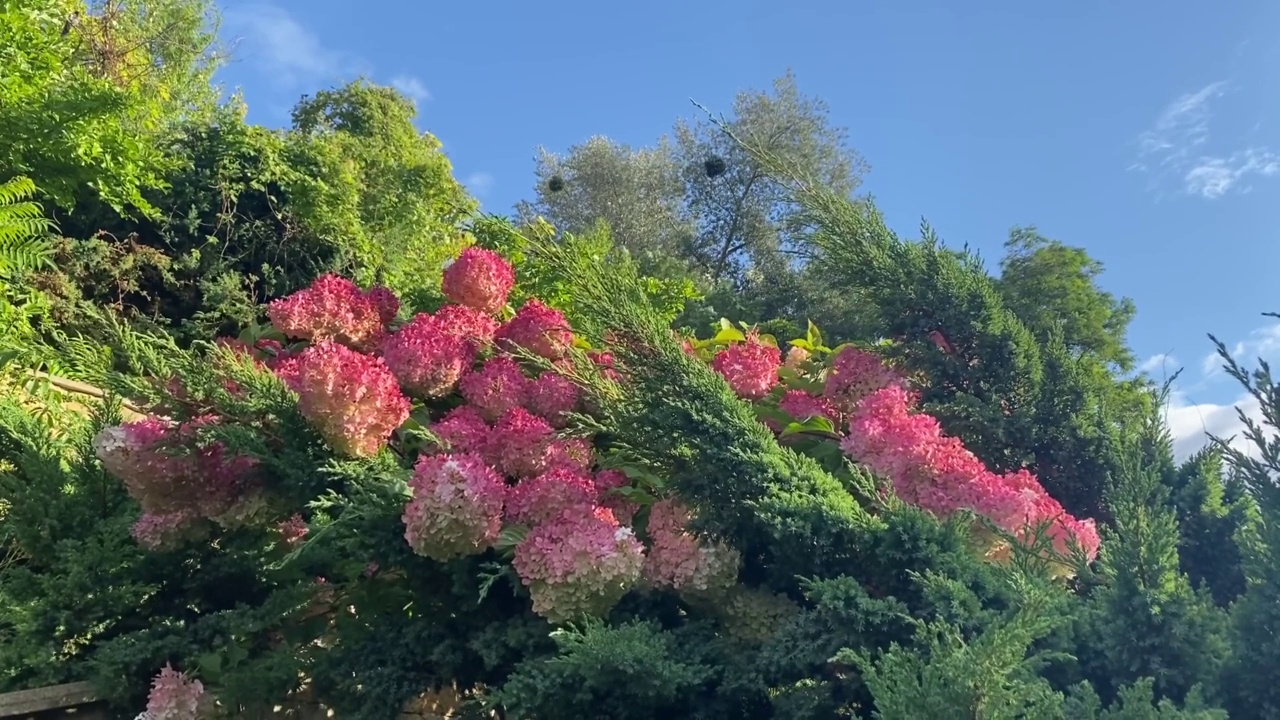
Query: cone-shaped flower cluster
173, 696
352, 399
750, 368
333, 308
480, 279
456, 508
679, 560
175, 475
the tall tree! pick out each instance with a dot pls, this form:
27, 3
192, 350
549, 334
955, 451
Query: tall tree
637, 192
700, 202
1049, 284
92, 96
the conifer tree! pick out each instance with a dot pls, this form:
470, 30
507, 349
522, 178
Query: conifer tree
1147, 621
1249, 683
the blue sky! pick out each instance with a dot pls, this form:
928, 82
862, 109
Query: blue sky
1147, 132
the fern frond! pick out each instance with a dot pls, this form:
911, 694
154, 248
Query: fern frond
23, 247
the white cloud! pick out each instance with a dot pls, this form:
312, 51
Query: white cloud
286, 51
1191, 422
1178, 146
1262, 343
1213, 177
1160, 365
479, 182
411, 87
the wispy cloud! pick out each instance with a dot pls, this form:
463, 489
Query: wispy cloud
1192, 421
411, 87
1159, 365
479, 183
1178, 147
293, 58
284, 50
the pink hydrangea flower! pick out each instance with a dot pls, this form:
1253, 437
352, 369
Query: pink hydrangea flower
292, 531
750, 368
854, 374
540, 329
579, 562
456, 508
607, 483
519, 443
426, 361
938, 473
552, 396
332, 308
352, 399
574, 453
464, 430
385, 302
170, 470
173, 696
467, 323
541, 498
498, 386
679, 560
479, 278
159, 532
801, 406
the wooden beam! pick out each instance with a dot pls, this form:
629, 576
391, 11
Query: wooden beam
53, 697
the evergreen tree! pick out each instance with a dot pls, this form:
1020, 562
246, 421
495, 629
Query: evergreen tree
1249, 683
1147, 621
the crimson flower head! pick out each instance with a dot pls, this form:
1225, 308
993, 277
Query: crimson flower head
480, 279
352, 399
427, 361
750, 368
496, 387
385, 301
332, 308
456, 508
538, 328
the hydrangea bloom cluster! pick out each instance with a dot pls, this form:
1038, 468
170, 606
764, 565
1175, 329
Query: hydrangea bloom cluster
497, 387
480, 279
578, 562
426, 360
750, 368
854, 374
936, 472
927, 468
175, 476
173, 696
456, 508
352, 399
333, 308
677, 559
539, 329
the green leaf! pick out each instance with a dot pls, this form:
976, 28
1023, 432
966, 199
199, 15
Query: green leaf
814, 336
728, 335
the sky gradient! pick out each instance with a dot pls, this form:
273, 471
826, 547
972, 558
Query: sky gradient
1147, 132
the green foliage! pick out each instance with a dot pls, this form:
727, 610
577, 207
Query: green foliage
408, 203
95, 107
1148, 622
1049, 285
634, 669
1249, 687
